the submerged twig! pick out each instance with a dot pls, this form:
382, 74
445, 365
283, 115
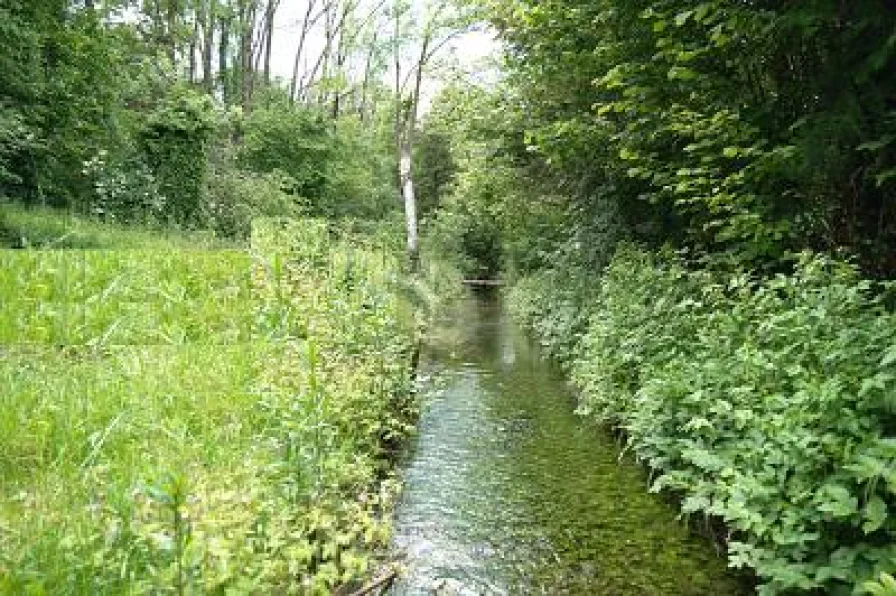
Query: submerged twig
383, 581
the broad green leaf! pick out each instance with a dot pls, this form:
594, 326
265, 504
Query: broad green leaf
875, 515
838, 501
889, 357
682, 17
681, 73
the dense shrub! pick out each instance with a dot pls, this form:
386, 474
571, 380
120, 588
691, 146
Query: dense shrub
296, 142
548, 306
341, 168
766, 404
362, 175
17, 141
125, 189
175, 140
754, 128
236, 197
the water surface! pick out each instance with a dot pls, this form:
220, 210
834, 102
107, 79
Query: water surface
509, 492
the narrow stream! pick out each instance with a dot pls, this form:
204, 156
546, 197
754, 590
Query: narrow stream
509, 492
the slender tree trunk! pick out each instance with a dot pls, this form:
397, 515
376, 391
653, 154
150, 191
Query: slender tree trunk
223, 56
307, 23
269, 41
365, 84
247, 29
171, 22
403, 142
405, 133
405, 168
396, 55
407, 156
340, 64
208, 17
259, 46
158, 27
342, 49
194, 42
323, 58
329, 34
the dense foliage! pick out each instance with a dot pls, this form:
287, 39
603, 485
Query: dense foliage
120, 112
196, 420
741, 154
60, 74
767, 404
175, 144
752, 129
745, 149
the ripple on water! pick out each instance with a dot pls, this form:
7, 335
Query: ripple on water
508, 492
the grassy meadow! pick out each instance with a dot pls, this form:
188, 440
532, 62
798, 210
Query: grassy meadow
208, 419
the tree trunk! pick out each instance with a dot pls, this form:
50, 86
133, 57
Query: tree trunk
157, 26
342, 49
365, 84
405, 168
194, 42
406, 128
171, 22
396, 55
404, 144
323, 59
223, 70
208, 17
329, 34
307, 23
340, 63
247, 28
269, 43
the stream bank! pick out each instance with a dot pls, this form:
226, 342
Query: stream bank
507, 491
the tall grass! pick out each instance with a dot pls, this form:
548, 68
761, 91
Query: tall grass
177, 420
45, 228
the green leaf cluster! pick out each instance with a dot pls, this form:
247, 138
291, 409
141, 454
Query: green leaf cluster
749, 129
765, 403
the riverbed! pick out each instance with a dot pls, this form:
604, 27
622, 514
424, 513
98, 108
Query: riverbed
508, 491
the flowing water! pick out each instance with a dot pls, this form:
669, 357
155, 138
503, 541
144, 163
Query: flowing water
509, 492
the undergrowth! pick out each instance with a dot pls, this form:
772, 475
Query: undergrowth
766, 403
45, 228
179, 420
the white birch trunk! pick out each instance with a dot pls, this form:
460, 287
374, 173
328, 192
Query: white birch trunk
405, 166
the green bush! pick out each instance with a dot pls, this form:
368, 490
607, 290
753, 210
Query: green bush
234, 198
175, 140
549, 307
361, 181
296, 142
767, 404
124, 189
17, 142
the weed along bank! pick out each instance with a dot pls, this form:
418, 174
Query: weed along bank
201, 420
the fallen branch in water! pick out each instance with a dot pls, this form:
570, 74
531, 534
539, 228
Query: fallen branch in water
382, 581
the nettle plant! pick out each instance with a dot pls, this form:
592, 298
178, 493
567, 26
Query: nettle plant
770, 405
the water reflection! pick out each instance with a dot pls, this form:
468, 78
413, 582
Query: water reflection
508, 492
